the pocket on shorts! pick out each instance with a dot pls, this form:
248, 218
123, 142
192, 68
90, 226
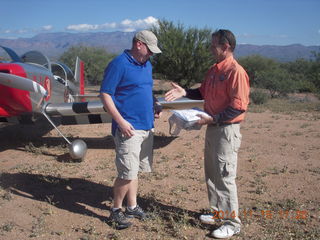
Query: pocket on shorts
120, 142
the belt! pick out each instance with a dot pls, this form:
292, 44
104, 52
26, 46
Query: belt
222, 124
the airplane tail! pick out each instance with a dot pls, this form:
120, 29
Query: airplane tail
79, 75
79, 79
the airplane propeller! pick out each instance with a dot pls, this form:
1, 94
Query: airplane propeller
22, 83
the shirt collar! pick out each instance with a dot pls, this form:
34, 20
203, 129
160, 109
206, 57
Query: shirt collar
224, 63
132, 59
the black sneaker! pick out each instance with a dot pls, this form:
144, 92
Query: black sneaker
137, 212
119, 220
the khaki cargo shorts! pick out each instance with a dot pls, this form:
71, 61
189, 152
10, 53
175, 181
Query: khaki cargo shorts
134, 154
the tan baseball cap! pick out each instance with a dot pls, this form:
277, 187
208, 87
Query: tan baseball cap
149, 39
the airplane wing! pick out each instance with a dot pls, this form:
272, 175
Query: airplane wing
181, 103
94, 112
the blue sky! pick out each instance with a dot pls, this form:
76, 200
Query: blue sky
261, 22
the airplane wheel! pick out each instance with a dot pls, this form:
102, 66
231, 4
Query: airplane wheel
78, 149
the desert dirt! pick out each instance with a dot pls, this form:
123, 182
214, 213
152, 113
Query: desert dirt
45, 195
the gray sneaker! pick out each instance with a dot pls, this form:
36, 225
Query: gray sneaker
119, 220
137, 212
225, 231
209, 218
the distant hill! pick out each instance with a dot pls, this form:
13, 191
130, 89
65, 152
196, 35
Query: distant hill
54, 44
280, 53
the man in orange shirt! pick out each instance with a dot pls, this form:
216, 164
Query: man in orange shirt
225, 91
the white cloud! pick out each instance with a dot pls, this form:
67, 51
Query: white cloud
82, 27
128, 29
22, 31
126, 25
47, 27
26, 31
108, 25
138, 24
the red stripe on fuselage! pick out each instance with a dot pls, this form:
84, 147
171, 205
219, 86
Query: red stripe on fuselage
13, 101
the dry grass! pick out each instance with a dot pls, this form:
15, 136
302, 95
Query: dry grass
43, 195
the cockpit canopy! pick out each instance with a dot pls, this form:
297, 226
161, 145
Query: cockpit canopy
59, 70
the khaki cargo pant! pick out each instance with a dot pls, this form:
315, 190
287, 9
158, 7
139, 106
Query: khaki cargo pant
221, 152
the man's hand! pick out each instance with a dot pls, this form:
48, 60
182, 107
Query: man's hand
157, 115
157, 110
205, 119
126, 129
175, 93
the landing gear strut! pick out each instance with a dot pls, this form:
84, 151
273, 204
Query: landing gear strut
77, 148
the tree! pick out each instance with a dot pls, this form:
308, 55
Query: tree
255, 64
186, 54
315, 70
278, 81
95, 59
301, 73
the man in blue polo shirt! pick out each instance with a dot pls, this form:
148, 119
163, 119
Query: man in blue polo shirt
126, 93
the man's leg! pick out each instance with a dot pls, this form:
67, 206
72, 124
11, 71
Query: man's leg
125, 185
209, 170
132, 193
227, 144
145, 165
120, 190
210, 166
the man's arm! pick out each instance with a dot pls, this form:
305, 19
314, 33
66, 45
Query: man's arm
227, 114
157, 107
125, 127
194, 94
178, 92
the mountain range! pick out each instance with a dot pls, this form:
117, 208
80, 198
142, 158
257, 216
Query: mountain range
54, 44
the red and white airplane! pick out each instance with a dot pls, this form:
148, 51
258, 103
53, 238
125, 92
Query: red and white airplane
32, 85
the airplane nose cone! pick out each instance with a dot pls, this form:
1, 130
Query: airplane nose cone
78, 149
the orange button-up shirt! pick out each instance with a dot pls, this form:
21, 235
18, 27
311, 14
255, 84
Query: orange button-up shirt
226, 84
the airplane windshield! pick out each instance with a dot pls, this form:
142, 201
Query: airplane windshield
37, 58
62, 70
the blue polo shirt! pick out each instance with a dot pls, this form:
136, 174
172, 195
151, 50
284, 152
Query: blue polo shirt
130, 83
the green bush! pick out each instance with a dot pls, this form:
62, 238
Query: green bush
255, 64
186, 55
95, 61
277, 80
258, 96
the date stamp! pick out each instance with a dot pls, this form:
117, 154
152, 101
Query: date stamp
267, 214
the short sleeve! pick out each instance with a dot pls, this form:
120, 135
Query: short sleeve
112, 77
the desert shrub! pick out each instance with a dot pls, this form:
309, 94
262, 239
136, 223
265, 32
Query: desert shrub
255, 64
95, 58
186, 54
278, 81
305, 86
258, 96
